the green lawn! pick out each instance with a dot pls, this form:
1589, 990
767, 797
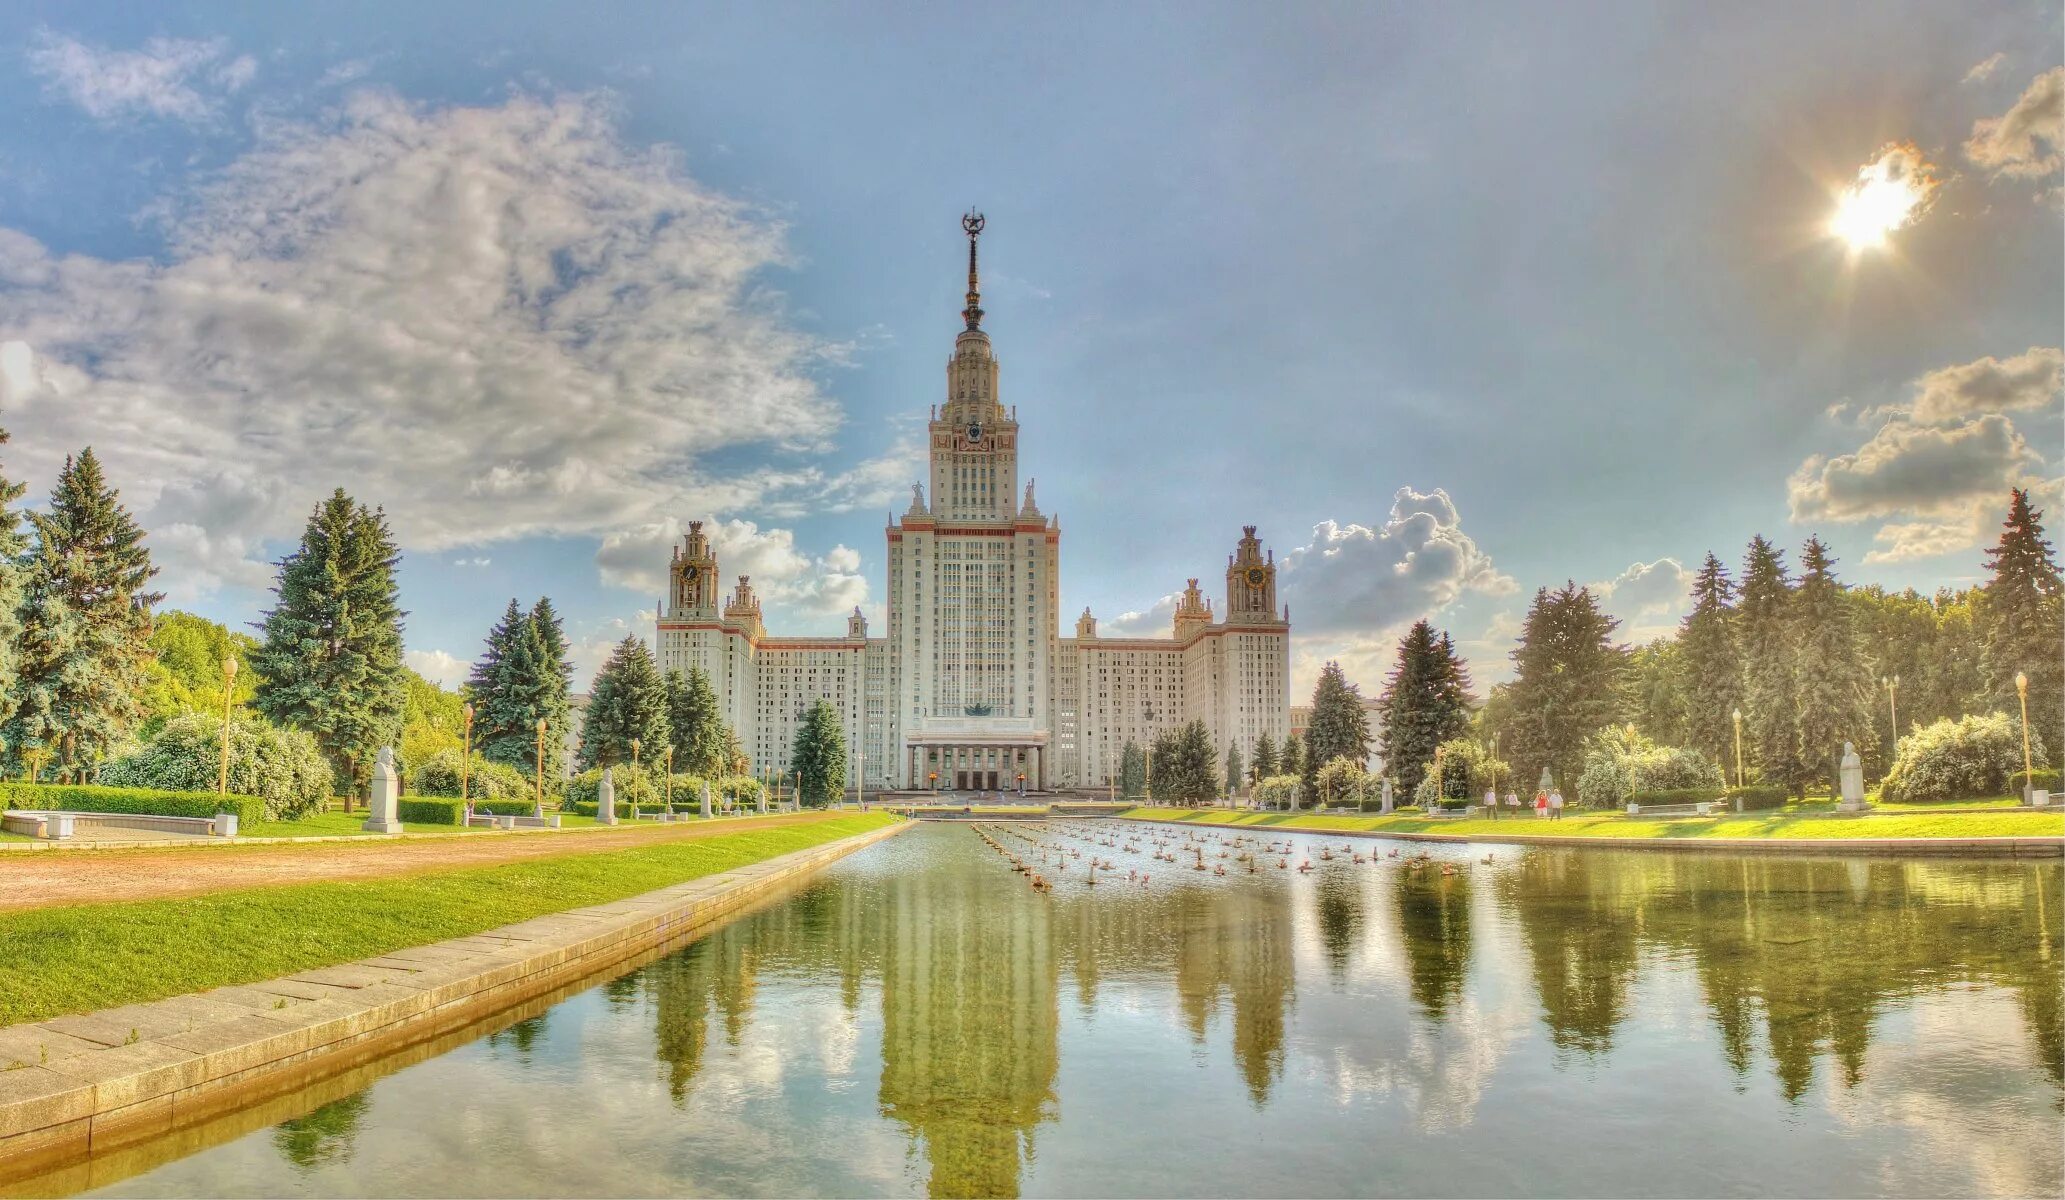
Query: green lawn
78, 959
1781, 824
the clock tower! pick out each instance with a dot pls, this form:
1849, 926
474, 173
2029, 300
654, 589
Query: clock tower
693, 576
1251, 583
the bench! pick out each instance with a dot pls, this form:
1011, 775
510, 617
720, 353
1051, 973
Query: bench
1701, 808
1441, 812
56, 825
481, 820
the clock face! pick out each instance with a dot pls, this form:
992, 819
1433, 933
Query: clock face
1257, 577
692, 574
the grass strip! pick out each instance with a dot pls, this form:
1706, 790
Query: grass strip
1964, 824
96, 956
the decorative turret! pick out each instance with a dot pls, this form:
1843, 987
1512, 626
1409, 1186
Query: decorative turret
692, 590
1250, 582
744, 607
857, 625
974, 438
1191, 613
1086, 625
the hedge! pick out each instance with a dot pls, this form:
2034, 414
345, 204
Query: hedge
1691, 795
282, 767
80, 797
505, 808
2046, 779
431, 810
588, 808
1756, 797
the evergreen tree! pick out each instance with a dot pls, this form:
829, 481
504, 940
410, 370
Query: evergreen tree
1265, 761
1710, 662
1426, 702
1657, 692
1771, 712
1834, 679
1132, 771
1233, 767
2025, 621
504, 725
819, 756
556, 670
85, 626
1161, 766
82, 622
626, 703
696, 724
1340, 725
1568, 681
1184, 767
1292, 761
330, 654
12, 547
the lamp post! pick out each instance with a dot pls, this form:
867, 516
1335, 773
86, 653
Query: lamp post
1893, 715
2022, 692
670, 780
860, 775
465, 753
229, 690
1150, 777
1440, 784
1738, 747
541, 765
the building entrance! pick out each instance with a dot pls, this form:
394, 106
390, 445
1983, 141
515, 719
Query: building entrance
975, 781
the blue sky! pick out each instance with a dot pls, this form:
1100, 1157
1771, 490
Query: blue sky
1451, 303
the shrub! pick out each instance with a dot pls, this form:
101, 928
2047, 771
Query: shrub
588, 808
1960, 760
430, 810
506, 808
2046, 779
1621, 763
438, 775
1278, 791
1757, 796
86, 797
744, 790
1345, 781
634, 785
282, 767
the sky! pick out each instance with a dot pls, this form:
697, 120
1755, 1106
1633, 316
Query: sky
1452, 302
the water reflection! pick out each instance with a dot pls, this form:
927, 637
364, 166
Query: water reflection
921, 1020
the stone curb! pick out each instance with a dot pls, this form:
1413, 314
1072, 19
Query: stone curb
1984, 847
216, 843
100, 1081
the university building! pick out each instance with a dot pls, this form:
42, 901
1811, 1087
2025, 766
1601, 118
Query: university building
973, 685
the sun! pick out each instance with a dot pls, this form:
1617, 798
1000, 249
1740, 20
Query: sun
1891, 192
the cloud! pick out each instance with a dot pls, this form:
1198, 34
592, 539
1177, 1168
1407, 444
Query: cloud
1354, 577
478, 560
175, 78
783, 575
1156, 620
1913, 470
1649, 598
211, 530
438, 667
2031, 379
494, 322
1985, 67
1904, 541
2023, 143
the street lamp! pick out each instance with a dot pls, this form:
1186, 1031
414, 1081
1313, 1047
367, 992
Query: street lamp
1440, 784
229, 689
1893, 713
541, 765
670, 780
2022, 692
465, 753
1738, 747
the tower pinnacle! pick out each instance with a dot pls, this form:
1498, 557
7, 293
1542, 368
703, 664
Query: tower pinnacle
972, 224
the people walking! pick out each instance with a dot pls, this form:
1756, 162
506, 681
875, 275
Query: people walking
1491, 802
1541, 805
1513, 802
1556, 805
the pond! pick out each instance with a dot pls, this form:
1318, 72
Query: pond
919, 1020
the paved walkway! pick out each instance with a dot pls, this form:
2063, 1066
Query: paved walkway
45, 880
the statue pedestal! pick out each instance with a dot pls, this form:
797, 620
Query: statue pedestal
384, 808
1851, 776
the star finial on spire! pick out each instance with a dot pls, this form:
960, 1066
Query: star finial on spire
972, 224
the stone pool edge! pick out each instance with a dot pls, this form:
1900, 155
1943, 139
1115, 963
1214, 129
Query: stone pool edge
1982, 847
100, 1081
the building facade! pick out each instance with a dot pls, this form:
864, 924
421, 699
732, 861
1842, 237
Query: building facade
973, 684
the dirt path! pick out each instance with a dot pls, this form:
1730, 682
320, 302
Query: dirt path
88, 877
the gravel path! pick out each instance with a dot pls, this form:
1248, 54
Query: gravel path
100, 876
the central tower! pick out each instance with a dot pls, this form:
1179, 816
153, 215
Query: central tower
974, 438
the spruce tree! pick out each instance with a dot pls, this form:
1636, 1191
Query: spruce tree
1568, 681
85, 627
1426, 701
1184, 767
1835, 681
504, 725
818, 756
695, 722
627, 702
1710, 660
1340, 725
2025, 621
330, 654
1132, 771
1771, 713
1265, 762
1292, 761
556, 694
1233, 769
12, 568
1161, 766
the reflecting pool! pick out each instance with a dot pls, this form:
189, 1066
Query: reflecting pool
918, 1019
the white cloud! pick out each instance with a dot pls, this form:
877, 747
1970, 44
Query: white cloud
1913, 470
477, 560
2028, 380
1354, 577
438, 667
1156, 620
1985, 67
1903, 541
494, 322
1649, 598
783, 575
2023, 142
177, 78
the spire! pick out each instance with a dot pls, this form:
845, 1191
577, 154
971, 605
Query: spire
972, 224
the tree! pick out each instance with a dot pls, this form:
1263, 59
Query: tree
1710, 663
1567, 683
1292, 761
1132, 771
1265, 761
85, 625
331, 648
556, 672
1185, 766
1426, 702
819, 756
1340, 725
12, 546
282, 767
520, 679
1835, 681
2025, 620
433, 721
627, 702
1233, 769
696, 724
1771, 715
185, 673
